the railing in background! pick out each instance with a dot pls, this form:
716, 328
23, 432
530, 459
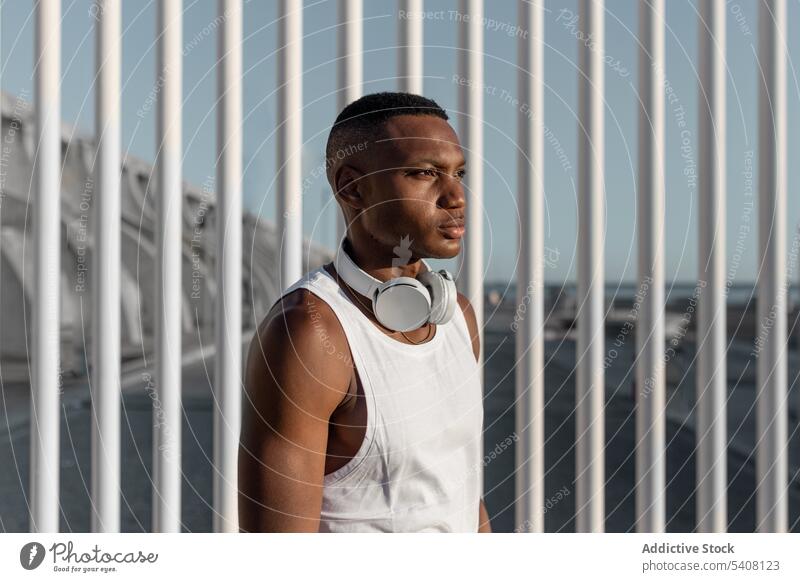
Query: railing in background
772, 435
529, 373
650, 369
590, 379
290, 139
711, 382
45, 388
168, 414
771, 452
228, 320
105, 384
470, 125
411, 35
350, 75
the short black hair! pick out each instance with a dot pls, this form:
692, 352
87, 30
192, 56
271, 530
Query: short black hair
362, 121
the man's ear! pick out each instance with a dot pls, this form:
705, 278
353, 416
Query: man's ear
346, 182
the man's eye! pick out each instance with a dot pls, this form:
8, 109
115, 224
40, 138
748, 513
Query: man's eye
427, 172
461, 174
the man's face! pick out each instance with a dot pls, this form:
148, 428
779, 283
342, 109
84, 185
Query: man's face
411, 188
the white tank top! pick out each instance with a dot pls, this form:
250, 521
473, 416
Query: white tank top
419, 467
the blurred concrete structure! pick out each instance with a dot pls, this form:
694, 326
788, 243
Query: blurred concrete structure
261, 285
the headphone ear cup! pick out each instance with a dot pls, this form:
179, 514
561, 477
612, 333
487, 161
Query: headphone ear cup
402, 304
443, 295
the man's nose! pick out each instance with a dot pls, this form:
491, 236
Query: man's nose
453, 196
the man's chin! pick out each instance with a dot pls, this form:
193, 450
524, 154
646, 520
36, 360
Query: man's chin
447, 250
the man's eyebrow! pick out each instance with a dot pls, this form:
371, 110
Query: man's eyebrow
432, 162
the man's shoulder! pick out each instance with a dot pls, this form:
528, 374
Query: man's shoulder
297, 356
300, 315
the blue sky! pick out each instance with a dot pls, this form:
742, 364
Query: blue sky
380, 65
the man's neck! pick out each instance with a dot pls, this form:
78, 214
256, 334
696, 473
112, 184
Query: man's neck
381, 266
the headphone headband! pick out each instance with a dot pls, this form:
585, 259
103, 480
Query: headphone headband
402, 303
356, 277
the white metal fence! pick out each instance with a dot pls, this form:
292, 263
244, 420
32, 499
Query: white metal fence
771, 450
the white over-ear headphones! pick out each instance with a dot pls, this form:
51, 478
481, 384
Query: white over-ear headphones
402, 303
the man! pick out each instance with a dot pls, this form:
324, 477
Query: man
350, 425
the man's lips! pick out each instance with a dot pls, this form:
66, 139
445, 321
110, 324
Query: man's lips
452, 229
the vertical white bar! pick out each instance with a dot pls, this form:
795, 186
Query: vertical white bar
590, 385
228, 321
290, 139
650, 381
45, 388
105, 385
409, 66
529, 419
2, 180
772, 438
350, 45
470, 105
167, 408
711, 363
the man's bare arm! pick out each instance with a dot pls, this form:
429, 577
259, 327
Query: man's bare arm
294, 380
484, 525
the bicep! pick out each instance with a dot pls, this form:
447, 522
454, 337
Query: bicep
281, 461
290, 393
